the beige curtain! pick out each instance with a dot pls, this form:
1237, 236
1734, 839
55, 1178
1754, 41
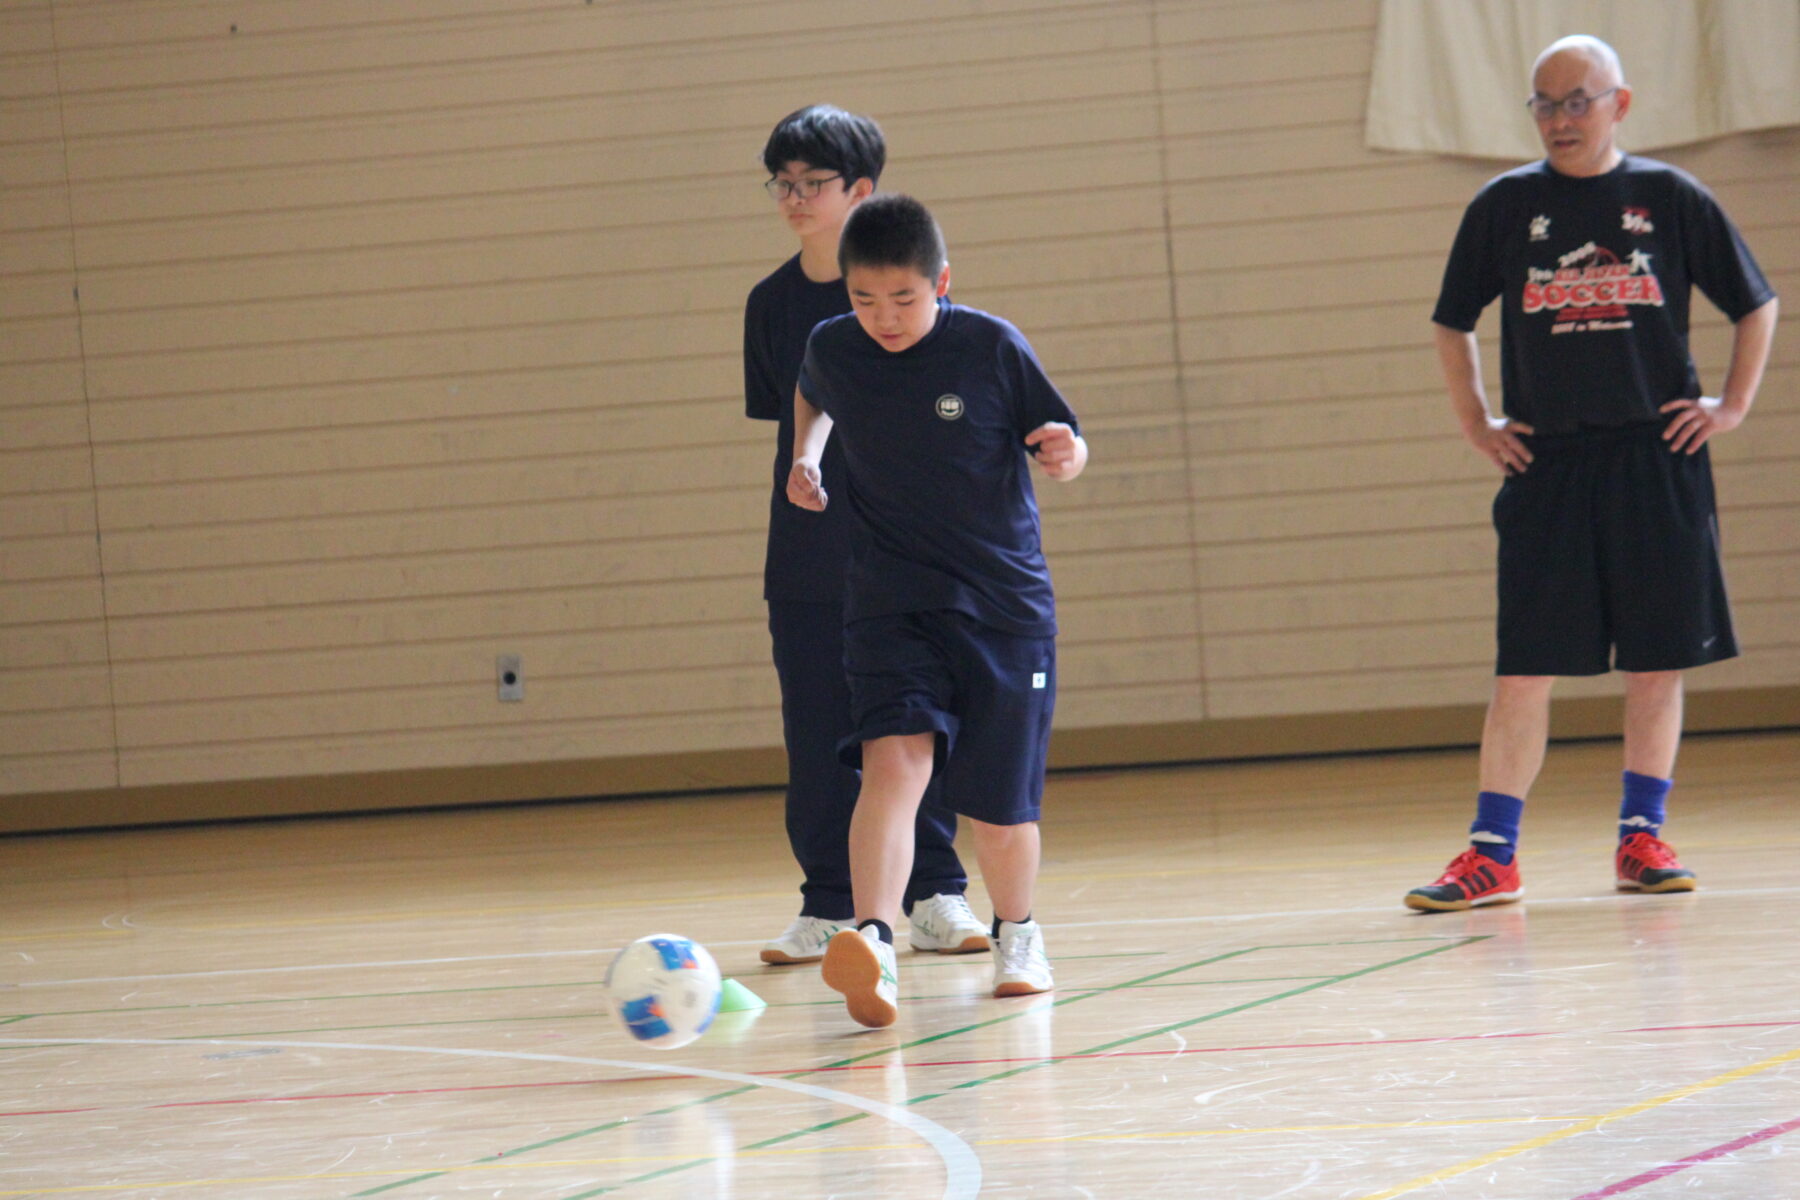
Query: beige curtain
1451, 76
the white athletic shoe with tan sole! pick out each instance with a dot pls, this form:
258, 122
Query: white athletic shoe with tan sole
861, 966
944, 923
804, 941
1021, 968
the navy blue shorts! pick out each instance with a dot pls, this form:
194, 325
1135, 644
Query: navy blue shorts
1609, 555
987, 695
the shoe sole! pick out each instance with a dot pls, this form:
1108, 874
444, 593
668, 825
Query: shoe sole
852, 968
1427, 904
1681, 883
1019, 988
975, 943
781, 958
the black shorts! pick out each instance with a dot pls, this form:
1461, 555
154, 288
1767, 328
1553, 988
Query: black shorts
1609, 556
987, 695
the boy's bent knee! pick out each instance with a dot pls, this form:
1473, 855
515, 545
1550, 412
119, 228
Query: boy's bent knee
989, 830
903, 755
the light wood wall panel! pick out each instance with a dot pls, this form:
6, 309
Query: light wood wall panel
409, 334
56, 704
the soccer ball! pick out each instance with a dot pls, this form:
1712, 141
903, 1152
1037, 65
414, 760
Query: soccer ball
665, 990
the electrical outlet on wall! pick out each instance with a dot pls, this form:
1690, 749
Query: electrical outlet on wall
509, 672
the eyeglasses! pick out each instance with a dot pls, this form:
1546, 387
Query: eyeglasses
1577, 105
806, 189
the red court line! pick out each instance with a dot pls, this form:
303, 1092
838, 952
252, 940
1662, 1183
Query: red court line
1730, 1025
1667, 1169
882, 1066
870, 1066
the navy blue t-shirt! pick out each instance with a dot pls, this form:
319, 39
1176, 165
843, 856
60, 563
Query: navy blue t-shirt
1595, 276
808, 552
939, 476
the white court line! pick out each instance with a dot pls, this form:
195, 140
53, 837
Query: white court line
347, 966
1389, 909
962, 1168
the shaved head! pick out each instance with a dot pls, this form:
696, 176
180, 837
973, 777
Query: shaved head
1602, 61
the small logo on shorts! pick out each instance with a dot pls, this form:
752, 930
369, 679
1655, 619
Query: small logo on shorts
949, 406
1040, 679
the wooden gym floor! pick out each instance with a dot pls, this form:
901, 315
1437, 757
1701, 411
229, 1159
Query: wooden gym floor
408, 1006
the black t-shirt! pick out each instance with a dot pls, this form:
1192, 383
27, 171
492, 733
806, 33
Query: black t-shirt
808, 552
1595, 276
939, 473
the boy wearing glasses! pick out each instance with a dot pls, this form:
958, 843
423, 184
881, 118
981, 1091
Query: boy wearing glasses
1609, 552
822, 163
939, 411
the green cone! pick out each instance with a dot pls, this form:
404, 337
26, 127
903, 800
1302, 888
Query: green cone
735, 997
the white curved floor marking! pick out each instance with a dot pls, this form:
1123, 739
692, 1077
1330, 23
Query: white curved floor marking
962, 1169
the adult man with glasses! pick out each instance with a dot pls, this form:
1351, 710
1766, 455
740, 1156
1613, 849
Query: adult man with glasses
1609, 552
823, 162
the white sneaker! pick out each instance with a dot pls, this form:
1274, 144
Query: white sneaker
1021, 968
861, 966
804, 941
944, 923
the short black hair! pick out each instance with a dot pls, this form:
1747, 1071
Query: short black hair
820, 135
892, 230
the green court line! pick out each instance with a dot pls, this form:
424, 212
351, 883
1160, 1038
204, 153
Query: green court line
844, 1062
567, 1137
102, 1012
1142, 981
52, 1043
1136, 1037
934, 961
1447, 943
578, 1016
692, 1163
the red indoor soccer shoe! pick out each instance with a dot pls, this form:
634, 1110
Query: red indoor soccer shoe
1471, 879
1646, 863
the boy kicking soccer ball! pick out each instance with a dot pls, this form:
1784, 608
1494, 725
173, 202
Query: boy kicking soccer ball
950, 619
822, 163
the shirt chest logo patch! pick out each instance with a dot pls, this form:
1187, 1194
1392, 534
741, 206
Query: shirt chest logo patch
949, 406
1637, 220
1540, 228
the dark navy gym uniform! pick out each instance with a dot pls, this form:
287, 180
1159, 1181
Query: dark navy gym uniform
951, 615
803, 582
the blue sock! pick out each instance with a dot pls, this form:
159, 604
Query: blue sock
1641, 811
1495, 832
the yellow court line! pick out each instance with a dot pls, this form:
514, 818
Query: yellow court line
645, 1159
1366, 1125
1590, 1123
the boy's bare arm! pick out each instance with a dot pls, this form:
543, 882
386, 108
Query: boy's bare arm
812, 429
1058, 449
